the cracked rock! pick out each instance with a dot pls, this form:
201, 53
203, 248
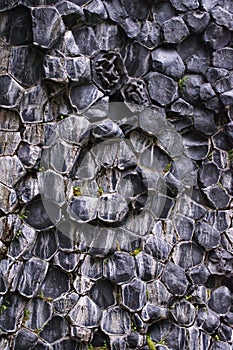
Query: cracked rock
10, 91
83, 96
216, 36
206, 235
112, 207
134, 295
175, 30
184, 313
223, 58
168, 61
86, 40
175, 279
47, 26
162, 89
34, 273
220, 300
85, 313
115, 321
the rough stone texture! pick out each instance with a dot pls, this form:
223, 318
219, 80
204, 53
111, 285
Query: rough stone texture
138, 251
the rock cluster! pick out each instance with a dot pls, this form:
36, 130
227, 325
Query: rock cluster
116, 117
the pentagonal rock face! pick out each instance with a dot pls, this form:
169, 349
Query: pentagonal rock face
29, 155
197, 146
34, 273
37, 216
10, 91
25, 65
83, 209
39, 313
92, 267
158, 294
47, 26
135, 55
9, 142
184, 227
115, 321
25, 340
162, 89
8, 199
83, 96
119, 267
158, 247
197, 20
55, 283
168, 61
78, 69
65, 303
184, 313
55, 329
187, 255
66, 261
147, 267
175, 279
134, 295
199, 274
45, 246
216, 36
209, 174
220, 300
175, 30
85, 313
11, 170
86, 40
112, 207
223, 58
206, 235
217, 197
102, 293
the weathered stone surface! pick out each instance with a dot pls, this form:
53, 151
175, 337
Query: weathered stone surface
9, 120
222, 58
157, 246
199, 274
204, 121
47, 26
53, 68
206, 235
12, 170
10, 91
108, 36
112, 207
134, 295
147, 267
115, 321
9, 142
197, 146
102, 293
220, 262
78, 68
83, 96
191, 87
135, 55
217, 196
217, 36
187, 255
92, 267
55, 329
222, 17
197, 20
25, 65
8, 199
149, 35
25, 340
184, 227
162, 89
65, 303
66, 261
220, 300
135, 92
184, 313
66, 8
174, 335
34, 273
83, 209
32, 104
219, 345
55, 283
207, 92
11, 316
168, 61
175, 279
209, 174
208, 320
119, 267
85, 313
82, 284
174, 30
36, 215
40, 311
86, 40
183, 5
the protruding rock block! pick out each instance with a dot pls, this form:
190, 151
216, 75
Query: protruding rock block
162, 89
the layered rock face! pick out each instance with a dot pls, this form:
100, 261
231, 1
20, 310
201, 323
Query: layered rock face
116, 180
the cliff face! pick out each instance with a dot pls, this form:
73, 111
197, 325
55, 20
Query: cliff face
116, 178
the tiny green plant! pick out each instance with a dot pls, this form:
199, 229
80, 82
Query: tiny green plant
61, 117
23, 215
230, 155
181, 83
41, 169
41, 295
150, 342
18, 234
38, 330
27, 314
167, 167
4, 306
136, 251
216, 337
77, 191
49, 299
188, 297
162, 341
100, 191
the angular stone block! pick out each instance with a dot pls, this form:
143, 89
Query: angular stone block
12, 170
25, 65
86, 40
162, 89
175, 30
206, 236
8, 199
47, 26
85, 95
168, 61
10, 91
223, 58
134, 295
85, 313
115, 321
175, 279
78, 69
